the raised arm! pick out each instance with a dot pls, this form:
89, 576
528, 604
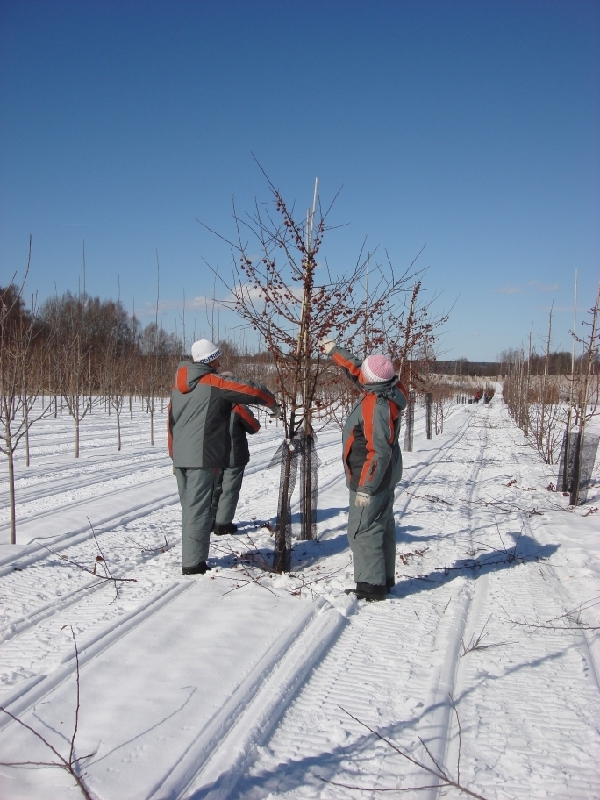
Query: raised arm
246, 418
343, 358
240, 391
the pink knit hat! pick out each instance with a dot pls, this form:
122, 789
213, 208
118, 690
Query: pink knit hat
377, 369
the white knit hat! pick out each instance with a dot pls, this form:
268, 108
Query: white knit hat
377, 369
204, 351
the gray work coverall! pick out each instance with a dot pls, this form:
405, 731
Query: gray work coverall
373, 465
229, 483
200, 444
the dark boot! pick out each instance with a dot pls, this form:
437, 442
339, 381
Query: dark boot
223, 529
199, 569
390, 583
368, 591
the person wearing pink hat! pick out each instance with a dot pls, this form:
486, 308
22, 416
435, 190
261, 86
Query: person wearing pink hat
373, 467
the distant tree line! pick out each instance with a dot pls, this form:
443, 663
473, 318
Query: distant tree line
557, 363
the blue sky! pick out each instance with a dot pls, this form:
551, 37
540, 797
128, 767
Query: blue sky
469, 127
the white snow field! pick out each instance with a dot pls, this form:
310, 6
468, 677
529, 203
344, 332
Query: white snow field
483, 665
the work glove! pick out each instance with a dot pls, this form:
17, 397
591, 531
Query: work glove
327, 344
276, 411
362, 499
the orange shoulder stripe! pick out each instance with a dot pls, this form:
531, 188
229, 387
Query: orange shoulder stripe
243, 412
181, 380
343, 362
394, 411
349, 444
220, 383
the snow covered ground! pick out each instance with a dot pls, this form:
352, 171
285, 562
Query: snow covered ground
482, 666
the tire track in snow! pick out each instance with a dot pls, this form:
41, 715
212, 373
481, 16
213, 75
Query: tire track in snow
367, 673
30, 487
48, 502
395, 664
522, 667
368, 658
532, 664
41, 592
435, 721
41, 685
588, 642
383, 666
30, 638
132, 551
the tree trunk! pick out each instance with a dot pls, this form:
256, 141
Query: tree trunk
576, 473
76, 418
428, 404
410, 422
26, 415
306, 488
11, 485
526, 393
282, 555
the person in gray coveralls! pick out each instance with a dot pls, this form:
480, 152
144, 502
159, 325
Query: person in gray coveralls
227, 489
373, 466
200, 441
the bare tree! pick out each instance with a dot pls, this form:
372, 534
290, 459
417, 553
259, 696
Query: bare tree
76, 370
591, 345
152, 378
534, 400
18, 333
280, 296
116, 373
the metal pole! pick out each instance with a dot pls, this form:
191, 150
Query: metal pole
410, 422
567, 444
